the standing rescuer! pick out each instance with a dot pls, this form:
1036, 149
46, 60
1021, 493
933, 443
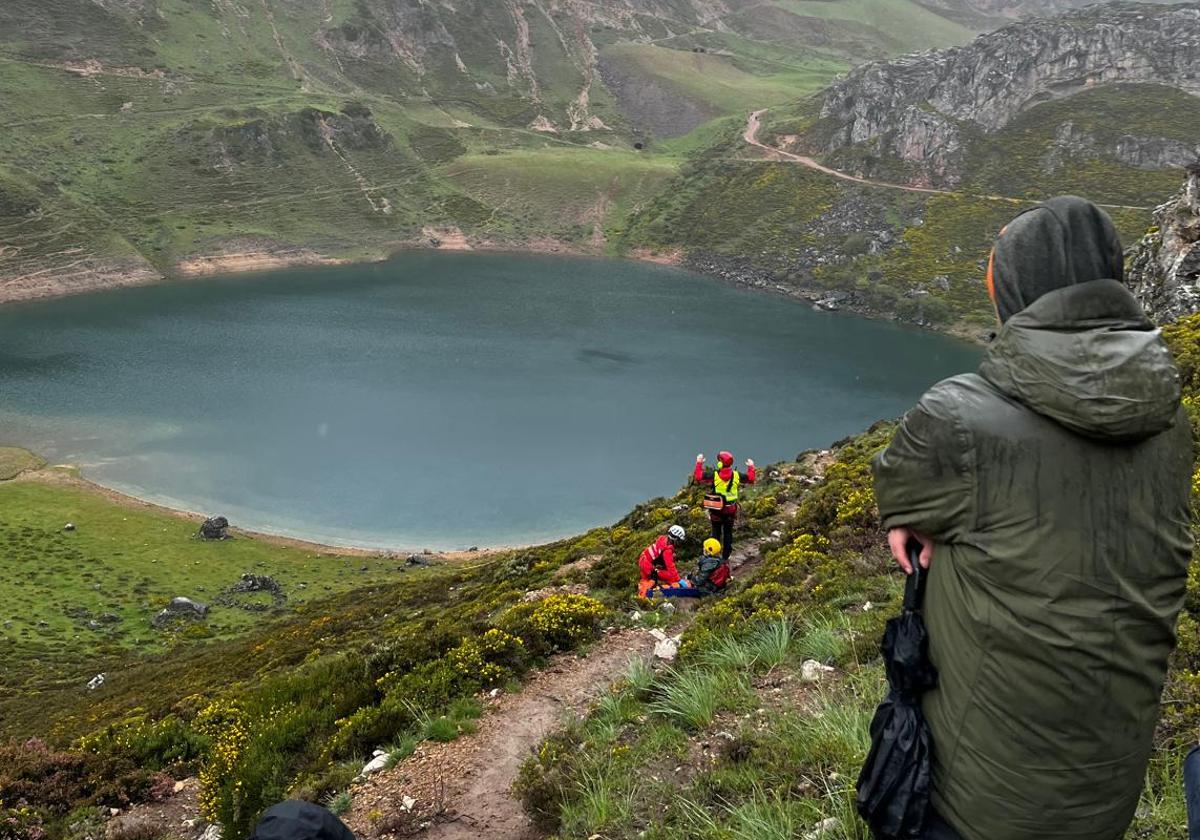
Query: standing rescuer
722, 502
1050, 492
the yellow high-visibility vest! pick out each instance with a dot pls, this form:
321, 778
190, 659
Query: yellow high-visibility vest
728, 490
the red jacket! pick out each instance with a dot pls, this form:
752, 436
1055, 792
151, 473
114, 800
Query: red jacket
659, 555
701, 475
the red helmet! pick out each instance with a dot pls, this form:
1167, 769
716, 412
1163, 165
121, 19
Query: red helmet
725, 459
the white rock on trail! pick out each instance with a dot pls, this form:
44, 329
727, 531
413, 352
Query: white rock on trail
813, 671
666, 647
823, 828
96, 681
213, 832
374, 765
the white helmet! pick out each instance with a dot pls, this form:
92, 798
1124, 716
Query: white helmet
676, 533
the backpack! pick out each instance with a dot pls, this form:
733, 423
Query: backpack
720, 576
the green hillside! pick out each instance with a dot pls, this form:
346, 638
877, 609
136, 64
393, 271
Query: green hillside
734, 741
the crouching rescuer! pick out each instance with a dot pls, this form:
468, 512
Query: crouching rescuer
713, 573
722, 500
657, 561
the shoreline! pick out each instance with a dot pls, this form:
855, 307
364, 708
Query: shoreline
66, 475
734, 271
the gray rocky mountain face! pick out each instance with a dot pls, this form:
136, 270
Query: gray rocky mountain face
921, 108
1164, 267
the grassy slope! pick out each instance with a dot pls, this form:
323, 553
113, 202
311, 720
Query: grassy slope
732, 743
339, 669
194, 136
1012, 161
727, 83
118, 568
910, 26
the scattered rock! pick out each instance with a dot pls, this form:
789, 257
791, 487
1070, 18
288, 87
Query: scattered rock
180, 607
666, 647
813, 671
96, 681
374, 765
416, 560
823, 828
250, 584
213, 832
216, 528
70, 526
407, 803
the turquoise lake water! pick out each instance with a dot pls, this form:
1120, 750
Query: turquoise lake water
442, 400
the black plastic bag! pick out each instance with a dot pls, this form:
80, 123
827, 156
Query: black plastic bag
896, 779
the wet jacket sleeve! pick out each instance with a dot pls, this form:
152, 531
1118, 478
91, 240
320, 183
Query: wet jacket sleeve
749, 475
668, 573
702, 475
924, 479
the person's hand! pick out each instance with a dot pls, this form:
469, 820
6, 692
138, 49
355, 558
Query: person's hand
898, 541
749, 462
700, 458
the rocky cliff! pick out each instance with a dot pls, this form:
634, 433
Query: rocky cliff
926, 109
1164, 267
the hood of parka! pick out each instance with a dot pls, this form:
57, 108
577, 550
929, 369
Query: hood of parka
1061, 242
1087, 357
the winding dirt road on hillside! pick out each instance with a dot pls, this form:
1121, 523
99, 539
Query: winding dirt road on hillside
754, 126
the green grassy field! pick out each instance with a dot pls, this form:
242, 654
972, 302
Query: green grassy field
728, 83
74, 600
900, 24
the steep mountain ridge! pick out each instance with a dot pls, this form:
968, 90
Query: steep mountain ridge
1164, 266
923, 110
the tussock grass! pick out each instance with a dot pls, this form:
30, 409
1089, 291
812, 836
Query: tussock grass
338, 803
403, 747
825, 639
604, 801
693, 697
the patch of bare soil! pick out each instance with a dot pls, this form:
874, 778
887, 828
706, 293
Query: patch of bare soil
462, 790
69, 272
242, 261
174, 818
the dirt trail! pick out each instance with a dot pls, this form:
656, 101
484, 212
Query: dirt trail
463, 788
754, 125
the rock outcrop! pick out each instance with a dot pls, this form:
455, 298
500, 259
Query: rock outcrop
923, 108
1164, 267
180, 608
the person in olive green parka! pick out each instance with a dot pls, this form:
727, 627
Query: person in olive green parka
1050, 492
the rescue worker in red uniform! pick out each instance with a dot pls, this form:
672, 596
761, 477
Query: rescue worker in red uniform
726, 483
657, 561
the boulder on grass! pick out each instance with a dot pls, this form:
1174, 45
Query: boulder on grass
215, 528
180, 608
